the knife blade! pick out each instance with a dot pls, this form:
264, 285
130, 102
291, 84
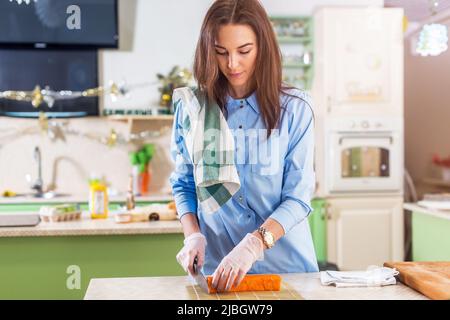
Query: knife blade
199, 278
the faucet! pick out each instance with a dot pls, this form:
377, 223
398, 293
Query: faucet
38, 185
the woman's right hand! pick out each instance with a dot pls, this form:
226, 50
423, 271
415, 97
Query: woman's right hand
194, 246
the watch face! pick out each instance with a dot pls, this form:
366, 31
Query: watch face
269, 238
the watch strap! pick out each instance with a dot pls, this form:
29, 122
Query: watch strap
262, 231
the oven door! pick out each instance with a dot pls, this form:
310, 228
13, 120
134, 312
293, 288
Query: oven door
365, 162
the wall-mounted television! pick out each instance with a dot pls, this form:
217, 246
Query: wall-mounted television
59, 23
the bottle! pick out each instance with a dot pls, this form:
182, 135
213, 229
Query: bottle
130, 195
145, 180
98, 200
136, 180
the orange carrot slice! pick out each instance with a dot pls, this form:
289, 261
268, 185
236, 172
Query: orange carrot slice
253, 282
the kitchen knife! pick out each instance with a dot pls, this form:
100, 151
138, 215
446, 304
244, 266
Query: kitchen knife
199, 277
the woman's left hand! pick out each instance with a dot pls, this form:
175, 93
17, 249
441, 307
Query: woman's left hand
236, 264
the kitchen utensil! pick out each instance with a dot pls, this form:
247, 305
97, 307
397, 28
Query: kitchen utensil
19, 219
429, 278
60, 212
199, 277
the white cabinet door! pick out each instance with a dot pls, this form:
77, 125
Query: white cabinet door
364, 231
362, 60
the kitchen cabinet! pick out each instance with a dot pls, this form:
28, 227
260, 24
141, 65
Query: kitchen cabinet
430, 233
295, 38
39, 267
430, 237
359, 61
317, 223
364, 231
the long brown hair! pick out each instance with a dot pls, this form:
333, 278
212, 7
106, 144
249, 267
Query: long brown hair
267, 76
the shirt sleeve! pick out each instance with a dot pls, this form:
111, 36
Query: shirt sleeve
298, 173
182, 178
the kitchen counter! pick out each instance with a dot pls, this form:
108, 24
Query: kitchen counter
300, 286
89, 227
431, 212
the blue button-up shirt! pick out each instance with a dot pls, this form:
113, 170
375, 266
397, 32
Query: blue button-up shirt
278, 185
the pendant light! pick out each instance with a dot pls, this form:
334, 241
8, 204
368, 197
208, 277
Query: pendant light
433, 38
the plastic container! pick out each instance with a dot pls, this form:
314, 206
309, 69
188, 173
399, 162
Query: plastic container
98, 201
59, 213
136, 180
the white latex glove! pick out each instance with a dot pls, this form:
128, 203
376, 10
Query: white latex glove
194, 246
236, 264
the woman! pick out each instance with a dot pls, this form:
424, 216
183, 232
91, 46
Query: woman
263, 227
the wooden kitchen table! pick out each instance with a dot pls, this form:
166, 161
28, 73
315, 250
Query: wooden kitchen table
295, 286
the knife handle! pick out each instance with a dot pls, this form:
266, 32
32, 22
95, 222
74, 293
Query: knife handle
194, 266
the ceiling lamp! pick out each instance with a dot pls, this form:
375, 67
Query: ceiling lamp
433, 38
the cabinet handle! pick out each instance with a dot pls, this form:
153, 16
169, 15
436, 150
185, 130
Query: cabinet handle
329, 104
328, 213
323, 213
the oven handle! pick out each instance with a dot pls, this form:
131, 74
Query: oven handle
391, 139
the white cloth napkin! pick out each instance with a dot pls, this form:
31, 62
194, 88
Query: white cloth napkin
373, 277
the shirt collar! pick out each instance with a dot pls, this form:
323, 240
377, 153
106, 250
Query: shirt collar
250, 100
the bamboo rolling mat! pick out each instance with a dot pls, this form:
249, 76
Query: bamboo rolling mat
286, 293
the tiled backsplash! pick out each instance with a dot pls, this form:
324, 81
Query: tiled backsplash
68, 164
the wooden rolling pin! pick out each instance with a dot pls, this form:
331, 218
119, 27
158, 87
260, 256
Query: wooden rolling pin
253, 282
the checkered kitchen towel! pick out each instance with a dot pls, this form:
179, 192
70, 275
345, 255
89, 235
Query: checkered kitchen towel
210, 144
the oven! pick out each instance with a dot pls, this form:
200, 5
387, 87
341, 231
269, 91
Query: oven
364, 155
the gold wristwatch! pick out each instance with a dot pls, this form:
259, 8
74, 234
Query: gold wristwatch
267, 236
